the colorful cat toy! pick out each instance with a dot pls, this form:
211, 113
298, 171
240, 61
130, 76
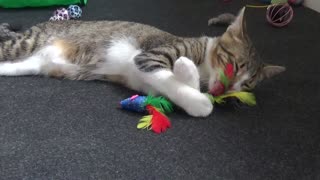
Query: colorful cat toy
158, 122
156, 106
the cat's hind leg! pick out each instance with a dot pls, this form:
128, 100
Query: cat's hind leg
190, 99
28, 66
47, 61
186, 71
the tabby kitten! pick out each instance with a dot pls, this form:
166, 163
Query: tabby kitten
138, 56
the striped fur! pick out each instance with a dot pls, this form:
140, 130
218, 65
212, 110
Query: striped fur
160, 49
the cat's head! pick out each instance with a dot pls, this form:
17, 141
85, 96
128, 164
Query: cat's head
235, 47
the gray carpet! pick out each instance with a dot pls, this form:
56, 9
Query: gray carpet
60, 129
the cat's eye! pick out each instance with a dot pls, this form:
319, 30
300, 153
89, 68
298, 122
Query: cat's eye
246, 86
251, 81
242, 65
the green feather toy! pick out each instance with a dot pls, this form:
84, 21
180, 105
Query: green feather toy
245, 97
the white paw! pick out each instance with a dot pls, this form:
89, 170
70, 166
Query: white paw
186, 71
195, 103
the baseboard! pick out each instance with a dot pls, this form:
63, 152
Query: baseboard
313, 4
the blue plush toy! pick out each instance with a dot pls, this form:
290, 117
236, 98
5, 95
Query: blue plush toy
74, 11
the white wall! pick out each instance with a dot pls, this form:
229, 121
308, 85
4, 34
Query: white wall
313, 4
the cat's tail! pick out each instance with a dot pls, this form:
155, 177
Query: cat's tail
16, 46
8, 31
222, 19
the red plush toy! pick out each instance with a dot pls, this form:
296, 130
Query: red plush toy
224, 84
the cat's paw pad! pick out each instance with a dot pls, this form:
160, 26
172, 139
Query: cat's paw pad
186, 71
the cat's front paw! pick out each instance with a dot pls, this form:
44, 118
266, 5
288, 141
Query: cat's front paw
197, 104
186, 71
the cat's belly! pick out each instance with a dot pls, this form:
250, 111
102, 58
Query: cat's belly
119, 65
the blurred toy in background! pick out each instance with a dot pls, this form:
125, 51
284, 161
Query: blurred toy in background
279, 15
296, 2
292, 2
60, 14
39, 3
72, 12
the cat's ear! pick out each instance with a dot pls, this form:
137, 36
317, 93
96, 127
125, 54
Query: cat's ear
238, 27
269, 71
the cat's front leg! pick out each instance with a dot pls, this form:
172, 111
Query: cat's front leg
190, 99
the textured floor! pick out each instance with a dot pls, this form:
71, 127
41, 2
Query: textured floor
59, 129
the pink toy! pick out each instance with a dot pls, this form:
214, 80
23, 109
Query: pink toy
279, 15
60, 14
